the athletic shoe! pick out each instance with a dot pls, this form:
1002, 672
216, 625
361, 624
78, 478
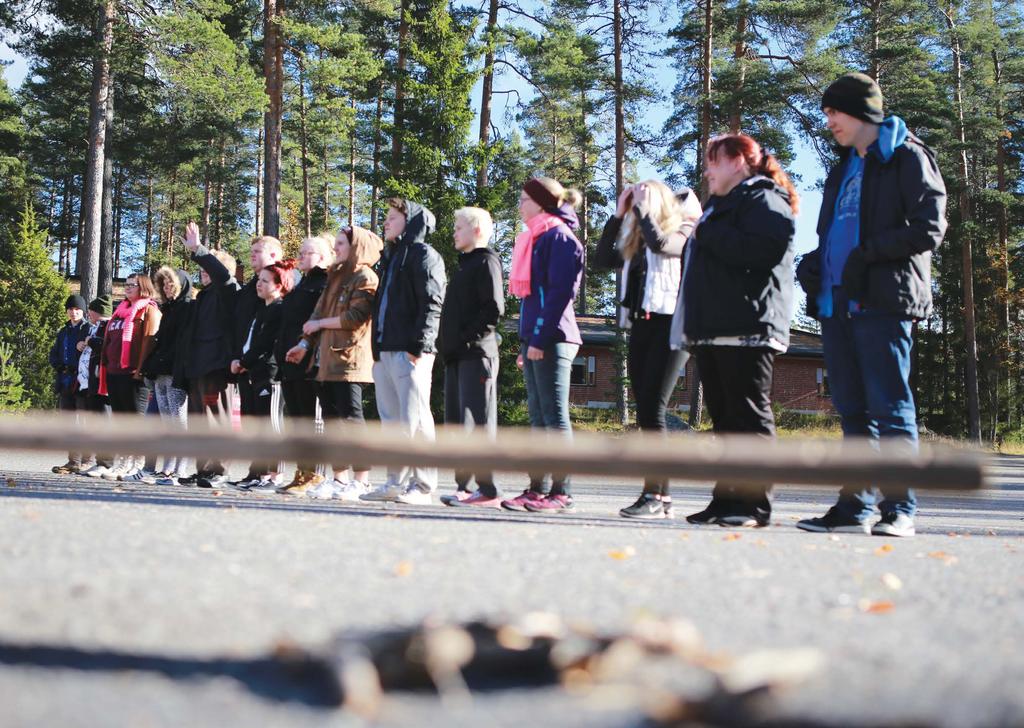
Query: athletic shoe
97, 471
213, 481
459, 495
648, 506
667, 509
350, 491
68, 468
742, 520
519, 502
302, 483
558, 503
189, 479
140, 476
115, 472
709, 515
266, 484
388, 492
323, 490
894, 524
833, 522
165, 480
478, 500
413, 495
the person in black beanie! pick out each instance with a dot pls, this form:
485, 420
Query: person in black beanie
882, 213
64, 360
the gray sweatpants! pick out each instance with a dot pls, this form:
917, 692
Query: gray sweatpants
403, 400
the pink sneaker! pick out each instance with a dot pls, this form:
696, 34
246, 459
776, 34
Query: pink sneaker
552, 504
519, 502
477, 499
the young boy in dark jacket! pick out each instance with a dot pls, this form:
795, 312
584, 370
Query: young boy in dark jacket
468, 342
882, 214
64, 359
403, 335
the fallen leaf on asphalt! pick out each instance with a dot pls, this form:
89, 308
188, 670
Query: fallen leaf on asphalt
833, 537
891, 581
991, 532
872, 607
947, 559
621, 555
11, 483
732, 537
403, 568
882, 550
217, 492
684, 536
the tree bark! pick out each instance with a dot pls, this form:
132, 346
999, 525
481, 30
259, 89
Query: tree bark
107, 269
403, 42
352, 168
258, 228
149, 219
1002, 227
967, 262
375, 190
204, 225
218, 229
273, 74
705, 105
622, 390
739, 56
485, 99
64, 254
88, 258
307, 215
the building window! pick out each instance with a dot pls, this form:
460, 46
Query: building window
822, 379
583, 369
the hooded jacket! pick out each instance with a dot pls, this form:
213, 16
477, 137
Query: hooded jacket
64, 356
174, 319
345, 354
208, 338
407, 308
902, 220
556, 269
473, 303
296, 310
738, 268
261, 333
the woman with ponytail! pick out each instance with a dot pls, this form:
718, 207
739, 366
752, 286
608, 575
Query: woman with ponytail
547, 266
255, 363
736, 303
645, 239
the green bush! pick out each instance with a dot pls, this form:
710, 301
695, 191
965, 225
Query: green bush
12, 391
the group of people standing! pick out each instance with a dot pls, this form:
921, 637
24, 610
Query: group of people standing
713, 281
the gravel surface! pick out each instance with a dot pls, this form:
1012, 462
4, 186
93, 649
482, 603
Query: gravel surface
197, 586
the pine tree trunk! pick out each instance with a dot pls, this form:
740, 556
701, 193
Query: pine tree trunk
204, 225
169, 245
64, 255
705, 104
622, 391
50, 203
307, 215
92, 194
485, 100
258, 228
118, 219
327, 189
218, 229
352, 168
273, 74
105, 279
375, 190
875, 70
585, 212
149, 219
1002, 225
967, 262
403, 42
739, 56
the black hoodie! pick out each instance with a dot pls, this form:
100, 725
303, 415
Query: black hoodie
473, 303
173, 321
296, 310
407, 309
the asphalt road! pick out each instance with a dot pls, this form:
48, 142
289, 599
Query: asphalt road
146, 606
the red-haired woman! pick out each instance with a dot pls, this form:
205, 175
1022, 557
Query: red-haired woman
256, 362
736, 303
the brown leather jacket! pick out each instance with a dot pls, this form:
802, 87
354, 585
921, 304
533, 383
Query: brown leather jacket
345, 354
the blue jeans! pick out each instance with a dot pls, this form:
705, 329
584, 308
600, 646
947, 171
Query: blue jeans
868, 360
547, 397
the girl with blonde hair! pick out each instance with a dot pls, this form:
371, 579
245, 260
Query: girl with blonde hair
645, 239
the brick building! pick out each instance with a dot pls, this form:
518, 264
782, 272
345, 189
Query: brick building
800, 383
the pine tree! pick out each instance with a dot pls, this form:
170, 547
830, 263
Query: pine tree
12, 391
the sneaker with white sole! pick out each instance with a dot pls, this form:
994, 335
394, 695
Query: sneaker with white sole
115, 473
97, 471
833, 522
894, 524
387, 493
350, 491
166, 480
413, 495
323, 490
140, 476
269, 484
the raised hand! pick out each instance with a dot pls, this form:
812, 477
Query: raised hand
192, 237
624, 201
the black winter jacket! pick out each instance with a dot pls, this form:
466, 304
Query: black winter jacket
296, 309
259, 359
173, 322
412, 284
902, 219
738, 279
207, 342
473, 303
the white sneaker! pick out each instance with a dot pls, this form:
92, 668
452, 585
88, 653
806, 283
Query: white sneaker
413, 495
140, 476
115, 472
322, 491
166, 480
97, 471
388, 492
350, 491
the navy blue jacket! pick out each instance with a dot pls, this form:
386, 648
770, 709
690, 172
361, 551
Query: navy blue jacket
547, 316
64, 356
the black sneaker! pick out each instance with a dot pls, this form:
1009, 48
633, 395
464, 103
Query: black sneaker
894, 524
833, 522
742, 520
189, 479
213, 481
647, 506
709, 515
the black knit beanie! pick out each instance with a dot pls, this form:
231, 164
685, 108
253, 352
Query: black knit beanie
75, 301
855, 94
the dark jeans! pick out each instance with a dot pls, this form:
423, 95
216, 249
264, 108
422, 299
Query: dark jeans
343, 401
547, 397
300, 406
69, 402
653, 369
868, 360
209, 393
471, 399
737, 388
96, 403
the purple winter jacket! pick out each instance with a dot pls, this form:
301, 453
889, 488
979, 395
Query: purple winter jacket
547, 316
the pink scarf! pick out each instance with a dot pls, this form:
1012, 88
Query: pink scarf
128, 311
522, 253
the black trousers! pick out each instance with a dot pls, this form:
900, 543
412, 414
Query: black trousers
92, 402
653, 369
342, 401
471, 398
737, 388
69, 402
300, 397
258, 398
209, 393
